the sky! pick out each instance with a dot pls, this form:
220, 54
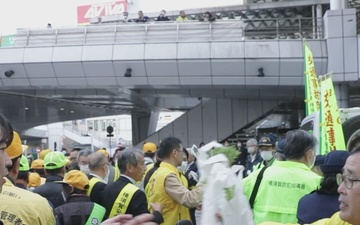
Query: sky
38, 13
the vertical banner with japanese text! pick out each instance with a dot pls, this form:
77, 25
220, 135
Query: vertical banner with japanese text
312, 94
331, 132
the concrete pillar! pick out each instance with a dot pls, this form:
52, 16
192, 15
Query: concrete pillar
154, 118
56, 133
335, 4
140, 126
339, 4
342, 95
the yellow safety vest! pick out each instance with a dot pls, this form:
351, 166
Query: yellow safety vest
123, 199
92, 183
155, 192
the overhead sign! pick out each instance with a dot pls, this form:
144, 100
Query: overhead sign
8, 40
87, 12
331, 132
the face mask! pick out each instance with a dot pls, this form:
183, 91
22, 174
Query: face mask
313, 162
85, 168
266, 155
251, 150
106, 178
183, 166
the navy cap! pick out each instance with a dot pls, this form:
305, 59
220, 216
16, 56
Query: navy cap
319, 160
334, 161
267, 140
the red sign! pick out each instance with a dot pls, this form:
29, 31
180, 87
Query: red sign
86, 12
38, 149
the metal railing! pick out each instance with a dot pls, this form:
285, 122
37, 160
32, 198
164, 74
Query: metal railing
162, 32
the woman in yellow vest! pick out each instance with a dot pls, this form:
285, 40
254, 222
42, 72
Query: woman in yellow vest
166, 187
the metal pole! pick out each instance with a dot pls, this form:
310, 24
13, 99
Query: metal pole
314, 21
110, 144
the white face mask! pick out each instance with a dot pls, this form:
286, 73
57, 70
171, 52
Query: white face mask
107, 174
266, 155
85, 168
183, 166
313, 162
251, 150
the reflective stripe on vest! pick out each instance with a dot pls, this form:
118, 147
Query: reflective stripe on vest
92, 183
123, 199
96, 216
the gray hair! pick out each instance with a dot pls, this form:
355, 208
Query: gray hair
129, 156
297, 143
253, 141
84, 152
97, 160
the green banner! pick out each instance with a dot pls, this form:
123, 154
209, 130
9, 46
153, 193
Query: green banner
312, 94
331, 132
8, 40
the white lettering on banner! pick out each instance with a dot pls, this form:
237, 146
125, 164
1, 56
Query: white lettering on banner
106, 10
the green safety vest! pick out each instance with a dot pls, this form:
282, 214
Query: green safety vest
96, 216
123, 199
281, 188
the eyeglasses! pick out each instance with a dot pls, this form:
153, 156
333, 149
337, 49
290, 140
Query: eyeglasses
348, 181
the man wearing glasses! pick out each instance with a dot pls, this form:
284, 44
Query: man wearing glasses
349, 188
166, 187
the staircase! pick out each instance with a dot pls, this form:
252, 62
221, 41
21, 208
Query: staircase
214, 119
94, 139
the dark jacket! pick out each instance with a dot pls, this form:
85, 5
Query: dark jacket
142, 20
52, 191
317, 205
97, 191
163, 18
75, 211
191, 181
249, 165
137, 205
241, 159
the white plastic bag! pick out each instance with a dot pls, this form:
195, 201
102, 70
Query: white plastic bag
223, 194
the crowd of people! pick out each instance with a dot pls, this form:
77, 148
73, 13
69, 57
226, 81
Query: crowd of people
159, 184
206, 17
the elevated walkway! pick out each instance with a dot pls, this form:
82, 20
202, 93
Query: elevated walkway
209, 55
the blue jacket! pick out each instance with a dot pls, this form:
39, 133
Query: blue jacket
317, 205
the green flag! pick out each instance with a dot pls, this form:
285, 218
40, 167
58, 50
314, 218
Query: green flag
312, 94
